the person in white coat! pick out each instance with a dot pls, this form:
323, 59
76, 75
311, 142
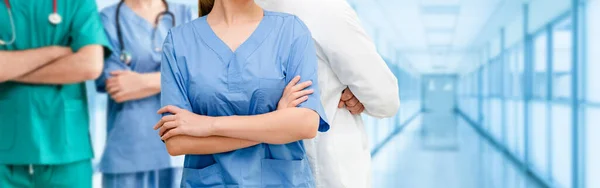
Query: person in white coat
348, 64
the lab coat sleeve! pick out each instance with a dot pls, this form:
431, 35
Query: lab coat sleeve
354, 59
173, 78
303, 62
113, 62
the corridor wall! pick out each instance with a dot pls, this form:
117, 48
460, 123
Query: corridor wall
536, 96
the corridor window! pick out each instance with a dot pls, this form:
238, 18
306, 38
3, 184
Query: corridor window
520, 126
539, 136
508, 71
514, 69
518, 73
540, 71
562, 60
510, 123
592, 149
495, 118
592, 110
495, 77
593, 52
561, 144
485, 110
485, 81
474, 84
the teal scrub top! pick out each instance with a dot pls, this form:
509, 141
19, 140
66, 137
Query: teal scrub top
47, 124
202, 75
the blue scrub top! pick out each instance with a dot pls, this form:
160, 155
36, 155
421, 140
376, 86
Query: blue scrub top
131, 144
201, 74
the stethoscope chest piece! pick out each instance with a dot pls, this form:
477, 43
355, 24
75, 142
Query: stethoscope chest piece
55, 18
125, 58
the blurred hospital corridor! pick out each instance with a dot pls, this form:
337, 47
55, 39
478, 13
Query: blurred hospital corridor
492, 93
457, 158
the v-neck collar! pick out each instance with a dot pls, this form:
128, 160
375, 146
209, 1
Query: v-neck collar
137, 19
245, 49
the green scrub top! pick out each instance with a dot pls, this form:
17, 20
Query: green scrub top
47, 124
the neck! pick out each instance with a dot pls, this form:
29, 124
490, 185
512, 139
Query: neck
144, 4
233, 11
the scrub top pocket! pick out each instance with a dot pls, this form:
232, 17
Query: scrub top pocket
76, 130
7, 126
284, 173
210, 176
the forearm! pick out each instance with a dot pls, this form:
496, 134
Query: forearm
152, 85
111, 64
14, 64
144, 86
278, 127
81, 66
182, 145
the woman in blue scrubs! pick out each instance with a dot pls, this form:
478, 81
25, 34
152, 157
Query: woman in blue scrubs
134, 156
223, 76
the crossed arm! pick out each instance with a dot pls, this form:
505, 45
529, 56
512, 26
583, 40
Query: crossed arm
51, 65
125, 85
230, 133
184, 144
18, 63
180, 144
183, 134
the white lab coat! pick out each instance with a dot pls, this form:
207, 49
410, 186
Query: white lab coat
347, 58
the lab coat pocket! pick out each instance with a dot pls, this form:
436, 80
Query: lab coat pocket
284, 173
210, 176
7, 126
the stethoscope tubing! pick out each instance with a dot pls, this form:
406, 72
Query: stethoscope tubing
12, 21
13, 30
154, 30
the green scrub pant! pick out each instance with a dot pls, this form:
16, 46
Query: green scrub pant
75, 175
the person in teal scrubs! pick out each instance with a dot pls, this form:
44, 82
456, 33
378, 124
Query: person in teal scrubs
223, 82
134, 156
48, 49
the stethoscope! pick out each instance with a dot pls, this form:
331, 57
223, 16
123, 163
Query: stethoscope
126, 56
54, 19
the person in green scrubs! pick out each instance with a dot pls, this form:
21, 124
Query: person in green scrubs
44, 121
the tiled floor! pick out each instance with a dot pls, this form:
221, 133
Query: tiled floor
422, 156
